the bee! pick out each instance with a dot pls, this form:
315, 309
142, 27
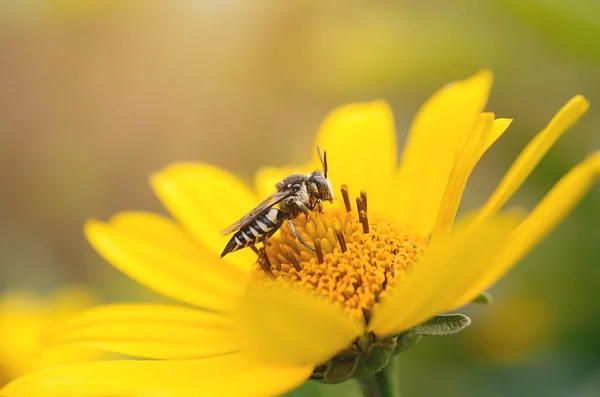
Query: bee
294, 195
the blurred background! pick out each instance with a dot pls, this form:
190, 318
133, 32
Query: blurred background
97, 94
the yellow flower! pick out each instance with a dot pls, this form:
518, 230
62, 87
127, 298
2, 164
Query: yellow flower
24, 319
242, 333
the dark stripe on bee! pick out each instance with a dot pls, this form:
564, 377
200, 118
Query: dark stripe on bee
256, 231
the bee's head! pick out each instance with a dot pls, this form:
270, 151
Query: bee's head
323, 185
320, 180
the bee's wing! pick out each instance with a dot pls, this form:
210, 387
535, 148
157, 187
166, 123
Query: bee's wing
265, 205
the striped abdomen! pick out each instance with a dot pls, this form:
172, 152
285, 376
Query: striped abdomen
263, 226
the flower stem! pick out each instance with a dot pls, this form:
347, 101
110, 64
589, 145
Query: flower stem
383, 384
369, 387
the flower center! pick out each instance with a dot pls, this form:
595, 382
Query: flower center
357, 255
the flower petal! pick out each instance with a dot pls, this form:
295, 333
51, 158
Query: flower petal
533, 154
360, 142
463, 165
470, 151
429, 154
205, 200
157, 253
230, 375
24, 316
149, 331
280, 325
449, 269
555, 207
491, 136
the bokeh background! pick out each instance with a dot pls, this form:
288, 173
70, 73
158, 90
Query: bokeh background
96, 94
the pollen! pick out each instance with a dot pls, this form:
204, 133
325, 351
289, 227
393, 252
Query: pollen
357, 255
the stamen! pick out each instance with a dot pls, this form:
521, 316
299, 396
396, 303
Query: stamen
294, 262
363, 196
364, 220
385, 282
362, 214
346, 198
341, 239
319, 251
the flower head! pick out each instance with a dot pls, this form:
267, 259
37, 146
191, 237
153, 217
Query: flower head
388, 256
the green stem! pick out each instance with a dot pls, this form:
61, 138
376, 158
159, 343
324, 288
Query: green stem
387, 379
369, 387
384, 383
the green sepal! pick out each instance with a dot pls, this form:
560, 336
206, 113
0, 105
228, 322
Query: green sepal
406, 340
364, 359
368, 356
336, 371
378, 356
443, 324
484, 298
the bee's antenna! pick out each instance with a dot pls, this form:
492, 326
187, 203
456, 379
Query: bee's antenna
323, 161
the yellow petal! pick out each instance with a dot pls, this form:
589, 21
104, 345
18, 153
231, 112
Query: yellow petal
230, 375
157, 253
533, 154
555, 206
262, 381
428, 157
464, 164
149, 331
491, 136
206, 200
449, 269
24, 316
278, 325
360, 142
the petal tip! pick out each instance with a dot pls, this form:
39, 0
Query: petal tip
581, 99
594, 160
484, 76
91, 226
577, 105
155, 179
372, 108
380, 105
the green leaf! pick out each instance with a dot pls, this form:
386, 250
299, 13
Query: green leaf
443, 324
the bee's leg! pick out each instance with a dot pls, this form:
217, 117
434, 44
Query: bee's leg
263, 260
319, 205
299, 207
316, 206
256, 251
298, 236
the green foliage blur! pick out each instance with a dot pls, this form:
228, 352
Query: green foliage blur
95, 95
